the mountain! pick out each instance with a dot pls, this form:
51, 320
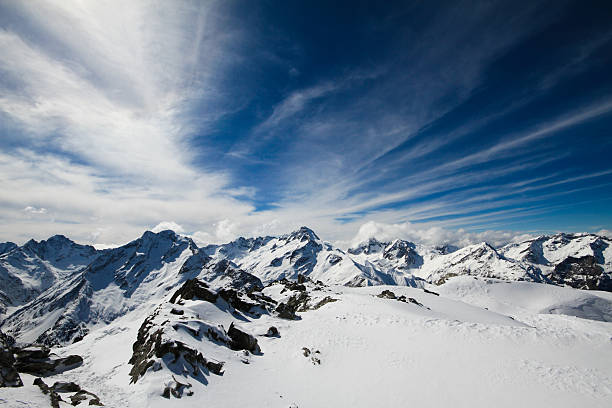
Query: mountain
7, 247
583, 261
112, 282
29, 270
54, 291
267, 321
284, 257
480, 260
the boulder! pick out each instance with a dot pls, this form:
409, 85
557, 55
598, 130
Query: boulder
272, 332
241, 340
62, 386
194, 288
387, 294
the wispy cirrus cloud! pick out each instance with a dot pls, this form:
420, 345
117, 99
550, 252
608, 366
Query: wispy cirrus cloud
98, 99
222, 119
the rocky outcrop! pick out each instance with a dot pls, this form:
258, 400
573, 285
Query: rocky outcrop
38, 360
387, 294
153, 344
241, 340
194, 288
35, 360
581, 273
80, 395
9, 377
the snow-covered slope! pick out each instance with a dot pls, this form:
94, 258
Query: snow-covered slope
300, 252
53, 291
580, 260
477, 260
105, 288
161, 322
29, 270
358, 350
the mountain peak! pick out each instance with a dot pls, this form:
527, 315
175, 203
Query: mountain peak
370, 246
303, 234
7, 247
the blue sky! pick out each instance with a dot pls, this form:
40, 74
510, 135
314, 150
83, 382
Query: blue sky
434, 121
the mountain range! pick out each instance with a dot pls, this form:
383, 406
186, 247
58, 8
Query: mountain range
188, 309
52, 290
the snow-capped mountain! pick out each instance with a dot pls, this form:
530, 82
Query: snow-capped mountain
29, 270
55, 290
582, 261
159, 319
105, 287
300, 252
478, 260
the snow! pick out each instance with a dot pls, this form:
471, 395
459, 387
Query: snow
486, 340
380, 352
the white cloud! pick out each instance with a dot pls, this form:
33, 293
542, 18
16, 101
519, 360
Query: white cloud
226, 230
111, 84
168, 225
34, 210
433, 235
605, 233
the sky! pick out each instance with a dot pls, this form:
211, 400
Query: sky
437, 121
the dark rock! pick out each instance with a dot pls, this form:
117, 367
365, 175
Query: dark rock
242, 340
37, 361
296, 303
151, 345
9, 377
62, 386
176, 389
33, 353
272, 332
54, 396
301, 279
264, 301
430, 292
233, 298
581, 273
314, 355
333, 259
194, 288
236, 278
416, 302
387, 294
215, 367
276, 262
322, 302
177, 312
295, 286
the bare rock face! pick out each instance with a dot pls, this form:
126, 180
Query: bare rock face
581, 273
9, 377
194, 288
61, 387
154, 344
37, 360
242, 340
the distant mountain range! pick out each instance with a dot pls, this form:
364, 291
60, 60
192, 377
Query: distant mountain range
51, 291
